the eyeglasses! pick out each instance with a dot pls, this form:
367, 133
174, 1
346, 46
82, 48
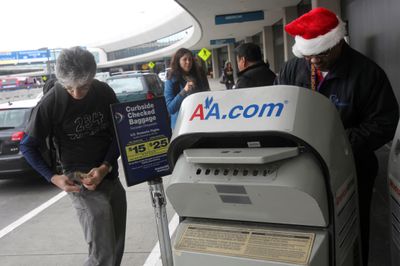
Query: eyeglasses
320, 55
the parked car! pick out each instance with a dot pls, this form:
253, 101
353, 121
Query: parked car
136, 85
13, 119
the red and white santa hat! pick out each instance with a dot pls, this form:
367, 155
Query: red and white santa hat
315, 32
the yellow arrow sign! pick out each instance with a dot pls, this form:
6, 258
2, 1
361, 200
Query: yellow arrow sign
151, 65
204, 54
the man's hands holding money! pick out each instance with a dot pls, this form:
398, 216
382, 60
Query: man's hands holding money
73, 182
92, 179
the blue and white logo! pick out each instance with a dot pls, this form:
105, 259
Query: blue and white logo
211, 110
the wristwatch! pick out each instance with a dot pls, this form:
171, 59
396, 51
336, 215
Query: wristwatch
108, 165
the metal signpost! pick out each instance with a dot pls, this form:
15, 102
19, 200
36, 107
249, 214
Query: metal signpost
159, 202
143, 133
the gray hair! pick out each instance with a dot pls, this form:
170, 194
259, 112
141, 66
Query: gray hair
75, 67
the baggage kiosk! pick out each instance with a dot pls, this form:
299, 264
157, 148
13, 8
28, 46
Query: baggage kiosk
394, 191
262, 176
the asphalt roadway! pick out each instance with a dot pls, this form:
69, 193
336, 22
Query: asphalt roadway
52, 236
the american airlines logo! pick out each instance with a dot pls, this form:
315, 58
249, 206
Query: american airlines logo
211, 110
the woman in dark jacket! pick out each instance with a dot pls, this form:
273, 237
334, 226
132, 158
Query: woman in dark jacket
228, 79
184, 78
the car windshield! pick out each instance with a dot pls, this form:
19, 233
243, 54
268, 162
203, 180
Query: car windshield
126, 84
153, 82
13, 117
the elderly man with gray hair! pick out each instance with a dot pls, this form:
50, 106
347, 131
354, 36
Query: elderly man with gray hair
76, 112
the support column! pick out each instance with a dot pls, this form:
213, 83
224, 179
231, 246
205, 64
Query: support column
333, 5
289, 14
215, 63
268, 47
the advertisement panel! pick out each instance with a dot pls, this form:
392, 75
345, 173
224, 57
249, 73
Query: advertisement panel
143, 132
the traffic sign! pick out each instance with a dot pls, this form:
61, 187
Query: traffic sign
151, 64
204, 54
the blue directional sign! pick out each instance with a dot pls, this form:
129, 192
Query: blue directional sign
239, 17
222, 41
8, 58
8, 55
33, 54
143, 132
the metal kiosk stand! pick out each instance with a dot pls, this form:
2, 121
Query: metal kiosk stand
263, 176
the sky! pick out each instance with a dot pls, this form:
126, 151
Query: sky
34, 24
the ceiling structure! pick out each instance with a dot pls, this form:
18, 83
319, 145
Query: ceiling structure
201, 14
205, 11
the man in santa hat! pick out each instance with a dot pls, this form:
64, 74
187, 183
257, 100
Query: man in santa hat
358, 88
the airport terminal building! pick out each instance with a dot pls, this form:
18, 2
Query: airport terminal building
221, 26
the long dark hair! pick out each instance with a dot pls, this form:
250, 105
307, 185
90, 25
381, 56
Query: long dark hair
176, 70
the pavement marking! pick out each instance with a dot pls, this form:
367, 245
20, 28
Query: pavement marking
31, 214
154, 257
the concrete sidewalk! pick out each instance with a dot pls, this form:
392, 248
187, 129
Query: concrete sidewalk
215, 85
54, 236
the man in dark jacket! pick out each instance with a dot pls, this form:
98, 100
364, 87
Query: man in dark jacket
358, 88
253, 72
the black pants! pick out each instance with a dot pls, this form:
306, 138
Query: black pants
228, 85
367, 169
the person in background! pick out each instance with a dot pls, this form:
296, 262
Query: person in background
253, 72
356, 85
49, 83
228, 79
88, 153
184, 78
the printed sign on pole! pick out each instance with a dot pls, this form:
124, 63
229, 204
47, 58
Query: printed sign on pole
204, 54
143, 133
